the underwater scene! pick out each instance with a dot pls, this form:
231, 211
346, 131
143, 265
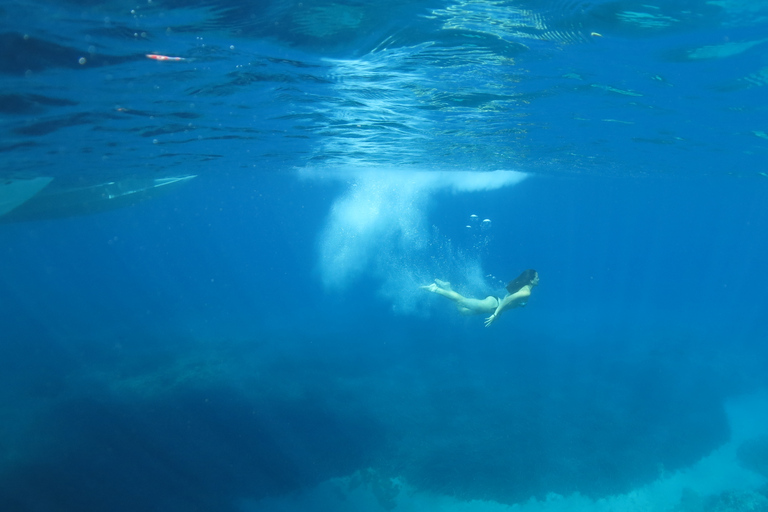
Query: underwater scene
383, 255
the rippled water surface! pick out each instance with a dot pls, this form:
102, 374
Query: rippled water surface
610, 87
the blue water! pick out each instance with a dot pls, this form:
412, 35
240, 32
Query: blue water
255, 338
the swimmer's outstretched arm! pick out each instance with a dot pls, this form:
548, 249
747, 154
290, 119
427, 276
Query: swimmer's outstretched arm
494, 316
508, 302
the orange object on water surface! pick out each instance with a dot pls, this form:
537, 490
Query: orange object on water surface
163, 57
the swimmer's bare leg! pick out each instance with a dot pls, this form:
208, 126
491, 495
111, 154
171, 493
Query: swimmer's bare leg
443, 288
438, 284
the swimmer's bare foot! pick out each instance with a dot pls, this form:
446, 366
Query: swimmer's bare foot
438, 285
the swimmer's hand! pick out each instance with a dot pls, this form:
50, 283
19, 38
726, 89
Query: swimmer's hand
490, 319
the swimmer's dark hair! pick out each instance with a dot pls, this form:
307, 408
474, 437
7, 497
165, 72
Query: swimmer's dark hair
523, 279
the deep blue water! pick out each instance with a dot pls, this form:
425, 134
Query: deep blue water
250, 334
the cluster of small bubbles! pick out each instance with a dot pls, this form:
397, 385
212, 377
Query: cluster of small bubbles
478, 231
491, 277
494, 281
474, 223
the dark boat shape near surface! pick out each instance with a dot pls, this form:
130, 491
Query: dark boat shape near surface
42, 197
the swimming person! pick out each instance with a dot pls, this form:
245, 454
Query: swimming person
518, 292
